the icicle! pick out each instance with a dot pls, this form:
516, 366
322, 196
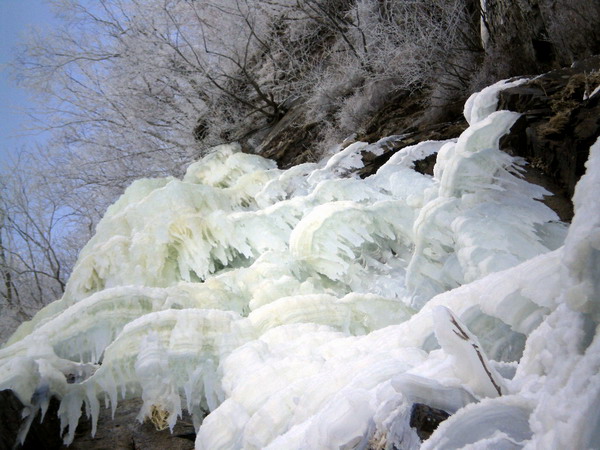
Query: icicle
69, 413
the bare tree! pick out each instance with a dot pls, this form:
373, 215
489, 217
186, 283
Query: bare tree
34, 262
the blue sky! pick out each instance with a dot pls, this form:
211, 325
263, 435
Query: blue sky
16, 16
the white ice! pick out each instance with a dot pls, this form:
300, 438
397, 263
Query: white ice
310, 308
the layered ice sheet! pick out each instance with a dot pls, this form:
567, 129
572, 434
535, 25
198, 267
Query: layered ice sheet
309, 308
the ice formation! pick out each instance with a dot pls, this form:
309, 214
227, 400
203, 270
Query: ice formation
310, 308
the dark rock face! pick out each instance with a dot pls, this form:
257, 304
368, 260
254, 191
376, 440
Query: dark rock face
561, 120
535, 36
559, 124
125, 432
436, 131
122, 432
407, 114
42, 435
289, 142
425, 419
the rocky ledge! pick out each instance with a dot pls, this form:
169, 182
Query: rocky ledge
121, 432
560, 121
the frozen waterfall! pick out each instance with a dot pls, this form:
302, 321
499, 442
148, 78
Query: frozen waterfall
310, 309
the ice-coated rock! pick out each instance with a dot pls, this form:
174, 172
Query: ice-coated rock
309, 309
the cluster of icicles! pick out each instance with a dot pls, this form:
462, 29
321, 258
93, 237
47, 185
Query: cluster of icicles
310, 309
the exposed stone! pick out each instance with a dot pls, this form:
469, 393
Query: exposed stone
437, 131
561, 120
406, 116
125, 432
425, 419
42, 435
122, 432
290, 141
559, 124
399, 115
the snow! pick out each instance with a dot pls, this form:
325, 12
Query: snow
309, 308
